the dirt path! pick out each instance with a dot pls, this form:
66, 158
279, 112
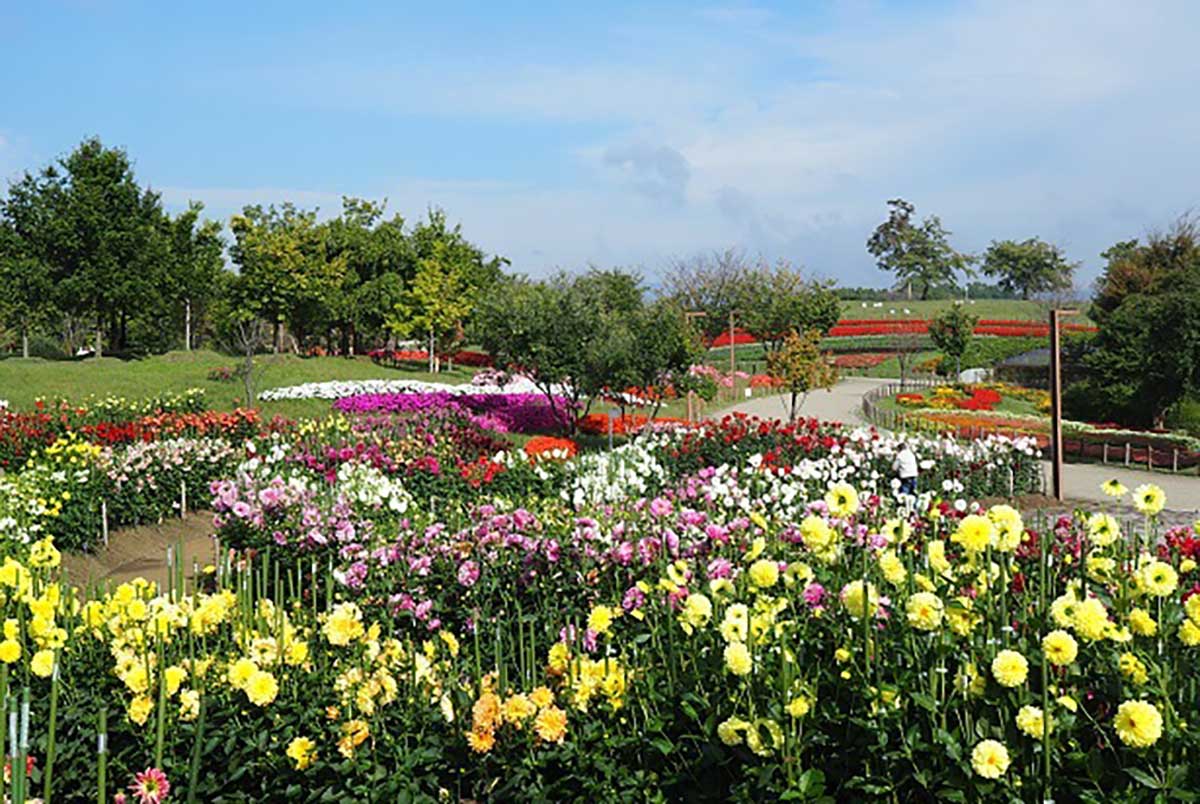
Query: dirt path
142, 551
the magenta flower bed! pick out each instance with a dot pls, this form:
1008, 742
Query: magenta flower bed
505, 413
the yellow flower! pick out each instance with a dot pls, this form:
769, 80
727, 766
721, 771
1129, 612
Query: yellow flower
841, 655
1192, 607
354, 733
764, 573
962, 616
302, 751
1103, 529
799, 706
1158, 578
697, 610
42, 663
1010, 668
990, 759
924, 611
1142, 623
974, 533
10, 651
174, 677
1149, 499
240, 672
485, 713
937, 557
841, 500
140, 708
896, 530
189, 705
1189, 633
735, 627
819, 538
450, 640
344, 624
968, 680
737, 659
1133, 668
730, 730
551, 724
1032, 721
1060, 648
1091, 619
1009, 527
1138, 724
560, 656
1067, 702
600, 619
261, 688
860, 601
541, 697
892, 568
1113, 488
481, 740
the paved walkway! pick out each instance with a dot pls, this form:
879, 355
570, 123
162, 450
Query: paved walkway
1081, 480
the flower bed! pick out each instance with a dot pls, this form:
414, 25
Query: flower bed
505, 413
393, 357
338, 389
743, 634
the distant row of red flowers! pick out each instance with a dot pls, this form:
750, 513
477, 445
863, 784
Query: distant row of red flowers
854, 327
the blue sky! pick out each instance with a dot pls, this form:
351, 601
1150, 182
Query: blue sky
563, 134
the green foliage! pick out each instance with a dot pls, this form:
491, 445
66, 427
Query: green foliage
777, 301
801, 367
916, 254
438, 300
1146, 356
1028, 267
952, 332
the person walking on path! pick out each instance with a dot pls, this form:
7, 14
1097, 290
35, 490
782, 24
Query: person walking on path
906, 467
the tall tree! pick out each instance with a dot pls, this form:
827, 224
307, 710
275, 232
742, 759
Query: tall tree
714, 284
916, 254
98, 233
437, 301
195, 259
27, 302
779, 300
1028, 267
1146, 356
282, 254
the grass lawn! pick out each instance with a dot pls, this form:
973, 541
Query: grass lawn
23, 381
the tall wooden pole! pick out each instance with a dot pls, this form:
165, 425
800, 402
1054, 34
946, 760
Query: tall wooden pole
1056, 446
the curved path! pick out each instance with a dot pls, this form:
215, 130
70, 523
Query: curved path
1081, 480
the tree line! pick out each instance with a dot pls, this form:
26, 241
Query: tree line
90, 257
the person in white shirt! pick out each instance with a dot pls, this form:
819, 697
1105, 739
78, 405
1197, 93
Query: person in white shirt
906, 467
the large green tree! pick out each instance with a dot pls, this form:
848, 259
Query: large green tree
282, 253
1028, 267
918, 254
778, 300
1145, 358
97, 232
195, 258
436, 302
27, 303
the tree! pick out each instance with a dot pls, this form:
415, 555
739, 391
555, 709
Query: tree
951, 331
282, 254
99, 235
1029, 267
437, 302
542, 330
775, 301
916, 254
196, 258
1145, 357
800, 368
711, 283
27, 302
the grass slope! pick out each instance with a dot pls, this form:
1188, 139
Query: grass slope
1003, 309
23, 381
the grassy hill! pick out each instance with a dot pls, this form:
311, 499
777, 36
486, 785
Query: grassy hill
23, 381
1004, 309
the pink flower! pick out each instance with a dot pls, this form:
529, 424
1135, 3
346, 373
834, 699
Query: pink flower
660, 506
468, 573
814, 594
150, 786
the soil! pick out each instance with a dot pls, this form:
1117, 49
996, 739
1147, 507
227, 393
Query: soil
142, 551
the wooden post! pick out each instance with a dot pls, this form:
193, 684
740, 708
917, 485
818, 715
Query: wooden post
1056, 443
1105, 460
104, 520
1175, 459
1149, 457
1126, 453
